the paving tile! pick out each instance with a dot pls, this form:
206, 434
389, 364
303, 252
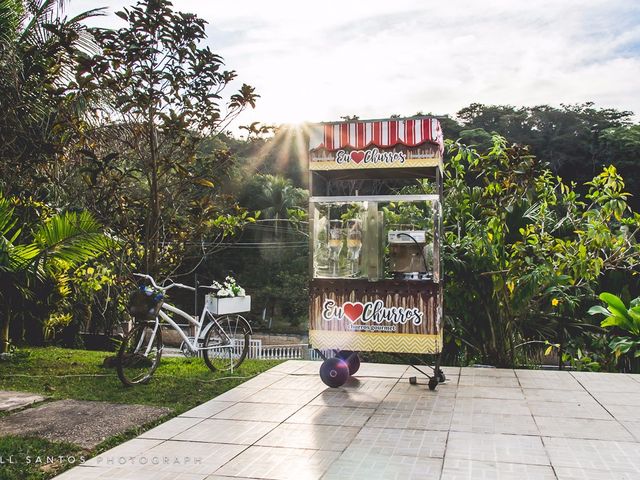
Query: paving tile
126, 473
461, 469
150, 473
416, 419
490, 392
602, 376
397, 442
223, 477
281, 396
497, 447
188, 457
207, 409
490, 405
173, 456
600, 455
301, 382
588, 409
607, 382
629, 386
171, 428
381, 370
259, 412
616, 398
566, 382
334, 398
237, 394
292, 366
562, 396
634, 376
486, 381
309, 368
279, 463
83, 473
625, 412
124, 450
215, 430
424, 401
487, 372
582, 428
548, 374
494, 423
372, 466
367, 384
264, 379
633, 427
321, 415
568, 473
317, 437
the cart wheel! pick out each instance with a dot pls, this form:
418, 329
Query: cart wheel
334, 372
441, 377
352, 359
413, 380
433, 383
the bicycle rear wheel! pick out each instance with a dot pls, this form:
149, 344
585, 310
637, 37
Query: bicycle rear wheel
226, 344
139, 354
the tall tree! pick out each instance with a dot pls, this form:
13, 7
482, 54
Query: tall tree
164, 95
39, 98
524, 250
274, 196
568, 137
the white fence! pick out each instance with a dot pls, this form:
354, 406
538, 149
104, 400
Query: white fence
298, 351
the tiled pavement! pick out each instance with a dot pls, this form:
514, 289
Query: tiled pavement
480, 424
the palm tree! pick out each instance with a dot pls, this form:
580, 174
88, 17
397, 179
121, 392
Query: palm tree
46, 250
39, 100
275, 196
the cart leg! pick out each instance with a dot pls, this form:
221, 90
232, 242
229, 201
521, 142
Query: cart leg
320, 354
434, 378
437, 371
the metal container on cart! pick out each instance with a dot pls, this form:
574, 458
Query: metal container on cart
375, 214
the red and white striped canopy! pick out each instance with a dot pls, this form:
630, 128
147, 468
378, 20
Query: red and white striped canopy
379, 133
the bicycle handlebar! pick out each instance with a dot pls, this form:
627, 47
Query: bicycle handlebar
164, 289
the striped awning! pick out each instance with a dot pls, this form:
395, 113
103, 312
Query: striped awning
410, 132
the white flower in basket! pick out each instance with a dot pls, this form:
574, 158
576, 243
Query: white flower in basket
228, 298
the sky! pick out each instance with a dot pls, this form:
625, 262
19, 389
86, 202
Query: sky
318, 61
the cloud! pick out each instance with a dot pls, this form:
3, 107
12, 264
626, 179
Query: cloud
321, 60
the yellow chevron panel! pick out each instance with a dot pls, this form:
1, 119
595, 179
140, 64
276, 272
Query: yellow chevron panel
376, 342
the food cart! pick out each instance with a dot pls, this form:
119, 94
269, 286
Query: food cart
375, 213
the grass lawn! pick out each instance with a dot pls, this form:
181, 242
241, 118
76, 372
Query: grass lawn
179, 383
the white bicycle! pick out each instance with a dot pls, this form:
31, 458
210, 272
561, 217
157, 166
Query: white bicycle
223, 341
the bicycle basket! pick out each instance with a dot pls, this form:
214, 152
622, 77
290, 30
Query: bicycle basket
144, 304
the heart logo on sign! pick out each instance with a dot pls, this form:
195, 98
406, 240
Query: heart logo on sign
353, 311
357, 156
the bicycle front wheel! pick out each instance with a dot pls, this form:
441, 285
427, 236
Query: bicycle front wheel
139, 354
226, 344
